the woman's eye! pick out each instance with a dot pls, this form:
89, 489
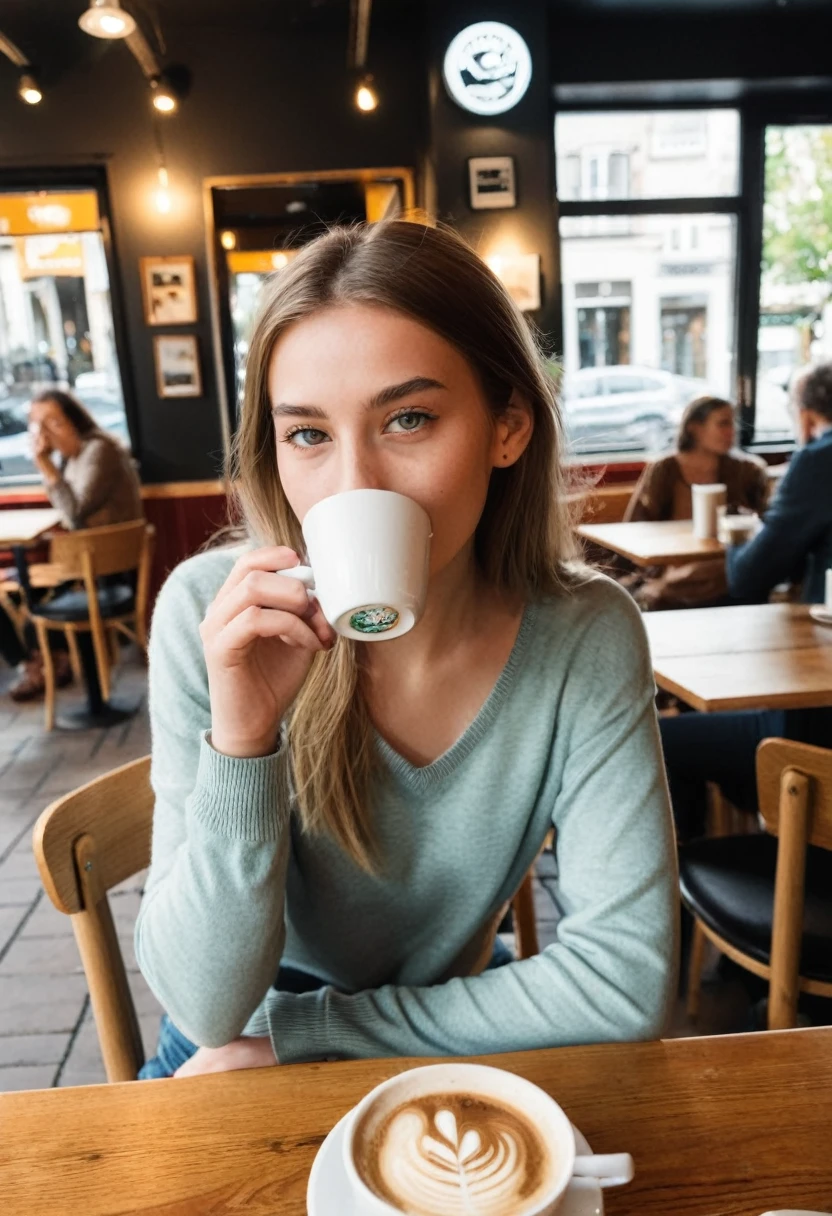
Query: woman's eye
307, 438
411, 421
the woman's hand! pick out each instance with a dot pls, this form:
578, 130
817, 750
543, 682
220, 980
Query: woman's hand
260, 636
254, 1052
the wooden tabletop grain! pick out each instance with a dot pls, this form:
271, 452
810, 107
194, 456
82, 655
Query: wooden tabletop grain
25, 526
757, 656
728, 1126
667, 543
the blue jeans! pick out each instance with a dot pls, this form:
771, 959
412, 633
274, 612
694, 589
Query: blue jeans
173, 1048
722, 748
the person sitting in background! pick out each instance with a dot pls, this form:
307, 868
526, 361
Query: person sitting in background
703, 456
795, 542
94, 483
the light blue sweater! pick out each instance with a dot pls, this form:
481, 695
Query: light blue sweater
568, 737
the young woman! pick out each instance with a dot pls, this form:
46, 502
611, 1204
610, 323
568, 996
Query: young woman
94, 483
703, 456
339, 826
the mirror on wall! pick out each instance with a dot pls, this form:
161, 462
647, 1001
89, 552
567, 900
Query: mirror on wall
256, 225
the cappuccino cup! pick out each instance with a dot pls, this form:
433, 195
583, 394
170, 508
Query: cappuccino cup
466, 1140
368, 554
706, 503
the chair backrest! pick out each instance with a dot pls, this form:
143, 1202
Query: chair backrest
112, 549
85, 843
794, 786
784, 768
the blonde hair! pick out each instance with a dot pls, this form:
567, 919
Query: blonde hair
523, 540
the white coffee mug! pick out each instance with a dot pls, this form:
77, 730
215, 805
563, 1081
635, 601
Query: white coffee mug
500, 1087
369, 556
706, 501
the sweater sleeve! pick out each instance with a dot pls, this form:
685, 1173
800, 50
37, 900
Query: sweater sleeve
210, 930
611, 973
89, 485
651, 496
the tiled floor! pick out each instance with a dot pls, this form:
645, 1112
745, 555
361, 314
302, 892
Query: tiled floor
47, 1035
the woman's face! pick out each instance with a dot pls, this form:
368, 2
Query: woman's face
54, 426
717, 434
366, 398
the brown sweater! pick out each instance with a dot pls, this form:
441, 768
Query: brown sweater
662, 493
98, 486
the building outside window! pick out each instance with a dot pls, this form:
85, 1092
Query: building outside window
56, 321
662, 265
795, 320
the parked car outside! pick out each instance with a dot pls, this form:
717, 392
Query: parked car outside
625, 407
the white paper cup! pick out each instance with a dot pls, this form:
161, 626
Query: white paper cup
498, 1086
706, 501
369, 556
828, 590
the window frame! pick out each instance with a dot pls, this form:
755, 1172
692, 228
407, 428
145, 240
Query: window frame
755, 114
91, 177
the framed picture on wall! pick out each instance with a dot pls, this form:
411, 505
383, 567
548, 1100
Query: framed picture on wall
491, 182
169, 290
177, 365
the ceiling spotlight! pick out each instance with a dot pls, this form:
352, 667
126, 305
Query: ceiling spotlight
106, 19
164, 98
228, 240
28, 89
366, 97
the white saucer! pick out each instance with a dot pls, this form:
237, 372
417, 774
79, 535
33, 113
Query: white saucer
327, 1193
821, 614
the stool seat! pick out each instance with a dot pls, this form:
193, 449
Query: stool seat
728, 883
74, 606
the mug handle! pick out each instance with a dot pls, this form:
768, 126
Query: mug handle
302, 573
605, 1169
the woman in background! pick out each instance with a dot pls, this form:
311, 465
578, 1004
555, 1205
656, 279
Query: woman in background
703, 456
94, 483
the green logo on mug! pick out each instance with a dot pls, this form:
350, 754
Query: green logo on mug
374, 620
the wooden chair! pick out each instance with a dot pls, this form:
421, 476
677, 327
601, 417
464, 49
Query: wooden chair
85, 556
766, 900
86, 843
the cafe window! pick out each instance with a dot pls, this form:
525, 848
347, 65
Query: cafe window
795, 318
648, 236
56, 320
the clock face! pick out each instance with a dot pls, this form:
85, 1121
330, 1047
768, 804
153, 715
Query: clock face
487, 68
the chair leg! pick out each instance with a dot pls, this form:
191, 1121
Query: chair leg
74, 655
525, 921
48, 675
102, 661
112, 638
697, 959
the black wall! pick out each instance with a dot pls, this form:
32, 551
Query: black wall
524, 132
260, 103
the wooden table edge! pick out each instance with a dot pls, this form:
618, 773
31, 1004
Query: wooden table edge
655, 559
819, 700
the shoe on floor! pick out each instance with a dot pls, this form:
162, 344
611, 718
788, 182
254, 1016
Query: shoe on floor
30, 683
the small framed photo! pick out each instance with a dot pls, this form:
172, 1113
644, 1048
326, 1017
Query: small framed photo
169, 290
520, 275
177, 365
491, 182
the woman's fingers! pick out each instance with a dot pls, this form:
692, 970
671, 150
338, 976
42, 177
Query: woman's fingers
260, 588
269, 558
256, 622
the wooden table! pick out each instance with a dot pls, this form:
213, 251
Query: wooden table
759, 656
728, 1126
667, 543
26, 526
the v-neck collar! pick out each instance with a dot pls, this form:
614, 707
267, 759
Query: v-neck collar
420, 777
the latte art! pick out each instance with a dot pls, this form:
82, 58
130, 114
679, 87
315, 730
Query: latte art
455, 1155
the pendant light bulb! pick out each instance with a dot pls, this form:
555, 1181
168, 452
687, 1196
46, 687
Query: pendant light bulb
161, 198
164, 98
29, 90
366, 98
106, 19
